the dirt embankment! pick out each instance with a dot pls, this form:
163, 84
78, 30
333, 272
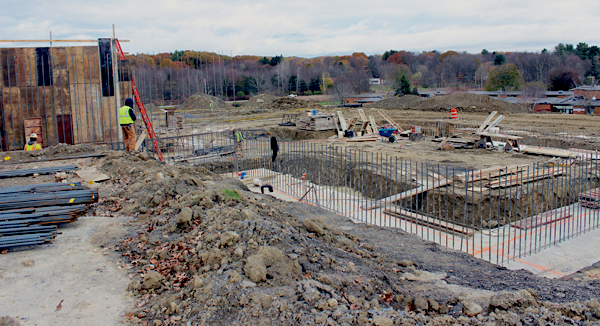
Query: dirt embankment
205, 251
463, 102
260, 101
293, 133
202, 102
292, 104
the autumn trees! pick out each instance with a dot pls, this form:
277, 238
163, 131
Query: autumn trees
185, 72
505, 78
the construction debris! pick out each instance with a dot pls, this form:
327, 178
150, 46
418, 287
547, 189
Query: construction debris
318, 122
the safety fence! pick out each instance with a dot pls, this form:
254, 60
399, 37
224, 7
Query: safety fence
497, 214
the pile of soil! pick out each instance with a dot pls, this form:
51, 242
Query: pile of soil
60, 150
292, 104
202, 102
260, 101
150, 107
293, 133
463, 102
206, 251
400, 102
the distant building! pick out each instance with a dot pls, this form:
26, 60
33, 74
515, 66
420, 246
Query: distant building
573, 101
376, 81
359, 100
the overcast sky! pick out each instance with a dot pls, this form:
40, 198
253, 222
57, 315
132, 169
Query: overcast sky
307, 28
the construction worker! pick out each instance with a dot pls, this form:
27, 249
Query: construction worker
126, 120
239, 138
211, 106
32, 144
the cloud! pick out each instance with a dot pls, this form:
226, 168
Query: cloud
309, 28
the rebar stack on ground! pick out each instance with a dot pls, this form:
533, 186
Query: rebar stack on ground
29, 215
45, 170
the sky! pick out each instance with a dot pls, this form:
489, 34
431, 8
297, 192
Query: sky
306, 28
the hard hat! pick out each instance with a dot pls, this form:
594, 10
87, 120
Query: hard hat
33, 135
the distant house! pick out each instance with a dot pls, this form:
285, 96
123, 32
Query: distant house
359, 100
376, 81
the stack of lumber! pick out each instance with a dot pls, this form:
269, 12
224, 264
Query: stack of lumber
586, 154
521, 178
363, 138
590, 198
317, 122
548, 152
490, 173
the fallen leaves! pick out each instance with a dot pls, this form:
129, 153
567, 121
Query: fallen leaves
59, 307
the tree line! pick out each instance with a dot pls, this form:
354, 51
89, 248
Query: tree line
190, 72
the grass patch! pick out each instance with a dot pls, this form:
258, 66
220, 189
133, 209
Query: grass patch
230, 194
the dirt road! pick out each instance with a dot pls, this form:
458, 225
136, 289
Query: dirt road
74, 274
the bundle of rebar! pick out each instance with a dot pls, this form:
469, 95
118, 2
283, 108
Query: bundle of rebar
74, 197
28, 239
41, 216
44, 170
29, 215
40, 188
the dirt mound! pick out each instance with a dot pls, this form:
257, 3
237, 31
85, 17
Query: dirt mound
150, 107
202, 102
293, 133
463, 102
208, 252
260, 101
60, 150
292, 104
401, 102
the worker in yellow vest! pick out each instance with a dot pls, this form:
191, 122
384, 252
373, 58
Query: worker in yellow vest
32, 144
239, 138
126, 120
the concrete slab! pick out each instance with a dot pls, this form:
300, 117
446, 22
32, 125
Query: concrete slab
564, 258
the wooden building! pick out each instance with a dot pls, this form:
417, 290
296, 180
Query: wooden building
65, 94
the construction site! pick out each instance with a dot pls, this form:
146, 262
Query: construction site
458, 209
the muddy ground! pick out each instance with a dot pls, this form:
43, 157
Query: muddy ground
201, 249
197, 248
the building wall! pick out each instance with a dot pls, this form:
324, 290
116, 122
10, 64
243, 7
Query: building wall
587, 94
62, 86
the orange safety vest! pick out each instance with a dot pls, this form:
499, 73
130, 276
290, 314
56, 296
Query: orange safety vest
34, 147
